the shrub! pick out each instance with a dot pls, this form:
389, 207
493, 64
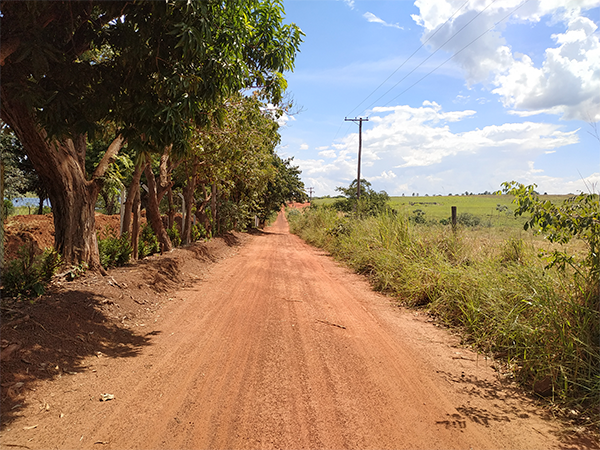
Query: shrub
198, 232
418, 216
28, 274
468, 220
174, 235
148, 243
9, 208
114, 251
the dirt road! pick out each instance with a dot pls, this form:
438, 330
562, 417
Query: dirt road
280, 347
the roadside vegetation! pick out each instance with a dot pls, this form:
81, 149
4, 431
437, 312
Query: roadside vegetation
165, 113
530, 302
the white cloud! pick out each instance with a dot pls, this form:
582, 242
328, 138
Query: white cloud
374, 19
328, 154
385, 175
350, 3
408, 149
567, 81
303, 146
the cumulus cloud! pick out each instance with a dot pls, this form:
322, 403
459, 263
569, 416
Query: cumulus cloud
565, 83
328, 154
568, 82
303, 146
373, 18
408, 149
385, 175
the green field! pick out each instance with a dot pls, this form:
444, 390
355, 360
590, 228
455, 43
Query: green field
436, 208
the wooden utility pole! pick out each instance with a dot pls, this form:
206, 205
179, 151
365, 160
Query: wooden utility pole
360, 120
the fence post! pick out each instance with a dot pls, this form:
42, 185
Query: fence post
454, 218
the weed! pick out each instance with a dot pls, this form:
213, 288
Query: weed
174, 235
28, 274
198, 232
114, 250
148, 243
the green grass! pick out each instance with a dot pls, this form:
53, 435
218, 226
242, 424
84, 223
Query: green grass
437, 208
489, 283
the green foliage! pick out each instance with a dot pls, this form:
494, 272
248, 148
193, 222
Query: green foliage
578, 217
198, 232
174, 235
28, 274
9, 208
114, 250
468, 220
187, 55
148, 243
284, 187
370, 203
418, 217
500, 297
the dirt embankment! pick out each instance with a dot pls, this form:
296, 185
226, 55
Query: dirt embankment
38, 231
253, 341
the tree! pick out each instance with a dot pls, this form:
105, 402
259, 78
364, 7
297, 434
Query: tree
285, 187
149, 69
371, 202
578, 217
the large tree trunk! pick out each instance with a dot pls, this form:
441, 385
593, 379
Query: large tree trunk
153, 212
61, 168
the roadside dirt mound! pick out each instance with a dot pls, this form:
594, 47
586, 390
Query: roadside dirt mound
92, 316
38, 231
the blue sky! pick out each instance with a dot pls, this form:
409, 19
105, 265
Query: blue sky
514, 102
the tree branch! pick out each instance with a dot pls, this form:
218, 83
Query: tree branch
109, 157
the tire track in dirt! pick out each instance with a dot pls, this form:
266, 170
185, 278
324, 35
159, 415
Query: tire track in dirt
279, 347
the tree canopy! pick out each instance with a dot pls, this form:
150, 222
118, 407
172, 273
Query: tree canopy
152, 72
370, 203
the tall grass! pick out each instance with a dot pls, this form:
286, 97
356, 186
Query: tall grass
496, 291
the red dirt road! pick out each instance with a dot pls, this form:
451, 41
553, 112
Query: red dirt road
280, 347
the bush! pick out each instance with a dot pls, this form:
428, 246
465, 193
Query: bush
9, 208
148, 243
198, 232
29, 274
114, 251
418, 216
174, 235
468, 220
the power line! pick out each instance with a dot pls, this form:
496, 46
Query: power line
431, 55
458, 52
408, 59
